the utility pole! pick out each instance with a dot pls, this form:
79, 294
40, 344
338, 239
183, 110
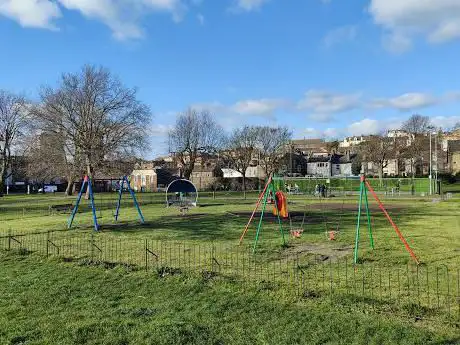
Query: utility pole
436, 162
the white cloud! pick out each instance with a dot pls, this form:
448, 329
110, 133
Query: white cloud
407, 101
323, 102
340, 34
365, 126
160, 129
445, 121
265, 107
436, 20
31, 13
249, 5
121, 16
258, 107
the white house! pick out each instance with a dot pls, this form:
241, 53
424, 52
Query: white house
231, 173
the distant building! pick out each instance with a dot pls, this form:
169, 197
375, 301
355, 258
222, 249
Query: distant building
231, 173
256, 172
144, 180
309, 147
332, 165
454, 156
203, 177
352, 141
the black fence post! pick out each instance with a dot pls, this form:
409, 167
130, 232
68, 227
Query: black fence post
47, 243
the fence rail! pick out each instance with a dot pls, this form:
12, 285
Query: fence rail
415, 289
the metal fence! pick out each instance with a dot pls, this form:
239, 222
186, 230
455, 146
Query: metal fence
394, 186
419, 291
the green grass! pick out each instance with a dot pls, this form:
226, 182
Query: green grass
431, 228
52, 302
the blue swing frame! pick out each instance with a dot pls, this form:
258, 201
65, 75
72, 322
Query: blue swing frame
87, 180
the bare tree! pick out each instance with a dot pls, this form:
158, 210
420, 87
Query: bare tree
240, 149
50, 156
13, 114
96, 115
417, 124
195, 134
270, 143
378, 150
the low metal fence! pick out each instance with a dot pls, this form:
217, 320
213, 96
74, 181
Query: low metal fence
421, 290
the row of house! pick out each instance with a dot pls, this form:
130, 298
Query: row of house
301, 157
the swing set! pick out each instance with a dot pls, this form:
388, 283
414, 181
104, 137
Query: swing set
87, 181
364, 187
279, 210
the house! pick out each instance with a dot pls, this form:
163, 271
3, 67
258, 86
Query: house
454, 156
349, 142
144, 178
203, 177
309, 147
332, 165
231, 173
256, 171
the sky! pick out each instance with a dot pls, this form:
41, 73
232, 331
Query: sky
324, 68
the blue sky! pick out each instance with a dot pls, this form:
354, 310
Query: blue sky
325, 68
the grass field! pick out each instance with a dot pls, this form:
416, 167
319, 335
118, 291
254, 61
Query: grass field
211, 232
51, 302
431, 228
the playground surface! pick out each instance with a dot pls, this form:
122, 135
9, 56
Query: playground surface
430, 226
161, 300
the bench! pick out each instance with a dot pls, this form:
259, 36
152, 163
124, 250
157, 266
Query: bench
67, 208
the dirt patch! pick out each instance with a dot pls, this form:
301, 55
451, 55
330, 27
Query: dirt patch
296, 217
318, 252
352, 207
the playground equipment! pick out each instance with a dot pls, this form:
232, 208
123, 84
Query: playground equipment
297, 232
280, 205
182, 194
268, 190
332, 229
88, 182
364, 187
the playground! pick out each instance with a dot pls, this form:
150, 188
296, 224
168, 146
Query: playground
297, 257
431, 226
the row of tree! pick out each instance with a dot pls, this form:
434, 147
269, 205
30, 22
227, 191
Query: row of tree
380, 149
88, 119
197, 135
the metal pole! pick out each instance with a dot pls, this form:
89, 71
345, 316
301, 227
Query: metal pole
395, 227
93, 206
431, 161
120, 192
361, 188
133, 195
75, 209
436, 162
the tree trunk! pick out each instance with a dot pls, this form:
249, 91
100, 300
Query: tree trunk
90, 176
380, 172
2, 176
69, 188
244, 186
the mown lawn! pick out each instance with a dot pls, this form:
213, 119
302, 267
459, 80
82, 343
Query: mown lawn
52, 302
431, 227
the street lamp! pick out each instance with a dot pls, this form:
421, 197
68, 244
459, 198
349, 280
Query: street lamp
2, 143
432, 132
431, 163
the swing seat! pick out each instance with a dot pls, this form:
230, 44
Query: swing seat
296, 233
331, 235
